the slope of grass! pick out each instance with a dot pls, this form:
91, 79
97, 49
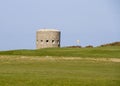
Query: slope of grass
111, 44
28, 72
29, 68
107, 52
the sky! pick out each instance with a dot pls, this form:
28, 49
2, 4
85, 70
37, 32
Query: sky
93, 22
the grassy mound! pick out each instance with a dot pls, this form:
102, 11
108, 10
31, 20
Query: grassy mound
32, 68
111, 44
106, 52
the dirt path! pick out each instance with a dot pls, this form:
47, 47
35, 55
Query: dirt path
57, 58
94, 59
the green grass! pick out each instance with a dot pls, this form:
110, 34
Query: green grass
25, 71
108, 52
46, 67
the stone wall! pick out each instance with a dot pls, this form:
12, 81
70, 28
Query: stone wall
47, 38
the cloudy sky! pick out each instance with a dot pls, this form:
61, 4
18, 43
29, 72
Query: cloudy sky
93, 22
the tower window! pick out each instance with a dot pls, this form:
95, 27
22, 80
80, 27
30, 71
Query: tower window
41, 41
47, 41
53, 41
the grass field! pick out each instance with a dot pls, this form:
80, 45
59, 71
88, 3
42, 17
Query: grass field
105, 52
48, 67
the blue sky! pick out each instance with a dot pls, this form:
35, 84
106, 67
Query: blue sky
93, 22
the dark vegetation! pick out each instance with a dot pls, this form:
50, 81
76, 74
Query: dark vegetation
73, 47
111, 44
89, 46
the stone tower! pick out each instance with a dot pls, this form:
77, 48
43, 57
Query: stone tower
47, 38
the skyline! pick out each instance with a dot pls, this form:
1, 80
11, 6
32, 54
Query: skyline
93, 22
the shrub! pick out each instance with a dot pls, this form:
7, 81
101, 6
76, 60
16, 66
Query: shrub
89, 46
111, 44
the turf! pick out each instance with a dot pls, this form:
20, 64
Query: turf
107, 52
46, 67
25, 71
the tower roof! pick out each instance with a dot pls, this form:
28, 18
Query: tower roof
48, 30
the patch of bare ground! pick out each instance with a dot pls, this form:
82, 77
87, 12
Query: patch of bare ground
57, 58
91, 59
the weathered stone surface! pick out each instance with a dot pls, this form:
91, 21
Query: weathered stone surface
47, 38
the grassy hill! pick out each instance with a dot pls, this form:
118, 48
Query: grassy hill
111, 44
32, 68
107, 52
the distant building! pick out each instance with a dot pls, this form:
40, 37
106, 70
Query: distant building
47, 38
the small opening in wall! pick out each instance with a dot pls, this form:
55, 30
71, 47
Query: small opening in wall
41, 41
47, 41
53, 41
